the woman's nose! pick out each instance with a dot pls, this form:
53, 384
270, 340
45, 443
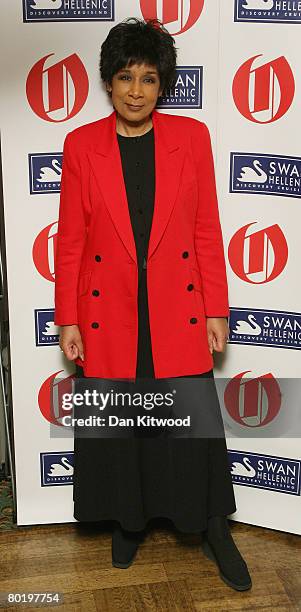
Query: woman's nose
135, 89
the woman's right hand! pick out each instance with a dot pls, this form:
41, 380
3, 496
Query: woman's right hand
71, 342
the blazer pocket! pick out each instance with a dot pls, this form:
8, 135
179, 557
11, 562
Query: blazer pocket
196, 279
84, 283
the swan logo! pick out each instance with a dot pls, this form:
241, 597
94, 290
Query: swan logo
265, 174
279, 474
56, 468
45, 171
44, 250
260, 256
64, 10
46, 332
57, 91
268, 11
265, 328
177, 15
245, 327
50, 400
263, 94
187, 91
252, 402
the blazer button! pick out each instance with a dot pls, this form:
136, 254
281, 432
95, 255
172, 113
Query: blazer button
185, 254
97, 258
193, 320
95, 324
95, 292
190, 287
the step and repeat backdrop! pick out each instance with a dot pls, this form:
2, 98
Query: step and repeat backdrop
238, 70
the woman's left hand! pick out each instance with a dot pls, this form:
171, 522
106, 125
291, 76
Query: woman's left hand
218, 333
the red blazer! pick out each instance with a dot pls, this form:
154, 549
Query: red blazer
96, 250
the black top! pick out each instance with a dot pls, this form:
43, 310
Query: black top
138, 163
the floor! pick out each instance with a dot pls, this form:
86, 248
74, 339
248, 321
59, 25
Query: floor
169, 572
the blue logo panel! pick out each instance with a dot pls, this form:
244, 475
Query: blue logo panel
265, 328
67, 10
46, 332
187, 91
56, 468
45, 171
267, 11
278, 474
265, 174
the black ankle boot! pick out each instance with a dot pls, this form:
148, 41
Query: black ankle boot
219, 546
124, 546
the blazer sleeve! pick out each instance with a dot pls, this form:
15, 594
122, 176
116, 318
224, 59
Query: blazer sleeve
71, 237
208, 234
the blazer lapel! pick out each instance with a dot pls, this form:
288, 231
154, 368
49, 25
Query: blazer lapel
107, 167
169, 159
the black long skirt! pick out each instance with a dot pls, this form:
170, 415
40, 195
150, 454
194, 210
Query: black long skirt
132, 480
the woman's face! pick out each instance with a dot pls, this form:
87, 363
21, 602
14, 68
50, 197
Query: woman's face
135, 91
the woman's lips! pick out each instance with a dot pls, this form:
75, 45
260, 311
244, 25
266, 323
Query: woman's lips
133, 107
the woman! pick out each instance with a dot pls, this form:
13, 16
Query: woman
141, 290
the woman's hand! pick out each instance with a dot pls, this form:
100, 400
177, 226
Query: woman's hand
217, 332
71, 342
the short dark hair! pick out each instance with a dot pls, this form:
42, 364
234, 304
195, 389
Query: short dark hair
135, 41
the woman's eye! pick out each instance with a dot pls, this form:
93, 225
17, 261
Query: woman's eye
126, 76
